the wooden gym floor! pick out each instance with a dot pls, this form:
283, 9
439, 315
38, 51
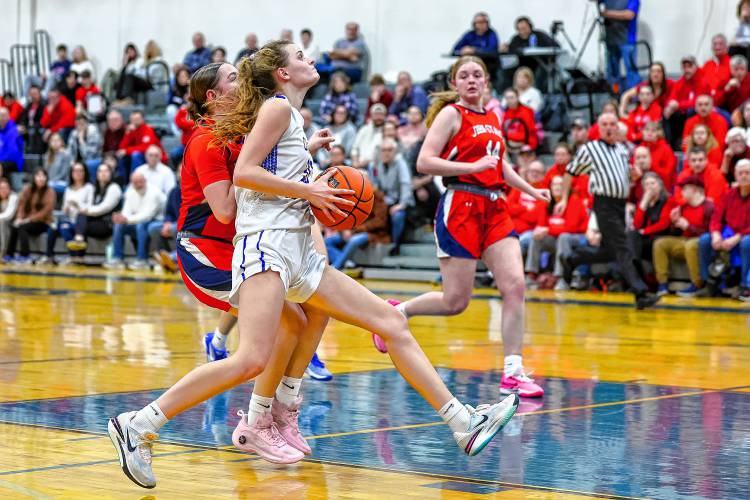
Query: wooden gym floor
652, 404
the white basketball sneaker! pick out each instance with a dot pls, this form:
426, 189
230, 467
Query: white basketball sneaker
486, 421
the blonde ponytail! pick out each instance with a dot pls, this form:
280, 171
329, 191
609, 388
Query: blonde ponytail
255, 84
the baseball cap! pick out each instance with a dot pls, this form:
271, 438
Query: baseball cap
378, 107
692, 180
689, 59
579, 123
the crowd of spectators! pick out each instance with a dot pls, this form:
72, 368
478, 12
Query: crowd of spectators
103, 172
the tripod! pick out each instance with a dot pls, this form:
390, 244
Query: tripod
598, 22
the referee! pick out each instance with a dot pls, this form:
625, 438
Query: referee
606, 162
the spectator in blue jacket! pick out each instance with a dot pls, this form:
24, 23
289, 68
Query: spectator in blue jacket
339, 94
165, 230
406, 95
481, 41
199, 56
11, 145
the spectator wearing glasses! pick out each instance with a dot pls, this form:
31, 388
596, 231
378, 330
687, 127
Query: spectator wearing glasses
482, 41
391, 174
155, 172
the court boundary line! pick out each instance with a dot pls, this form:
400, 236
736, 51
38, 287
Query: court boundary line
378, 291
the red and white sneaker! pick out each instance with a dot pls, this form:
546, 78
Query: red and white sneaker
520, 384
376, 339
286, 420
264, 439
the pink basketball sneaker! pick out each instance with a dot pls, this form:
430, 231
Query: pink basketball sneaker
379, 342
286, 420
520, 384
264, 439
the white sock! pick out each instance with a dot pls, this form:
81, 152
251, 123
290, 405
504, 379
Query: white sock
402, 309
513, 365
258, 406
219, 341
288, 390
148, 419
455, 415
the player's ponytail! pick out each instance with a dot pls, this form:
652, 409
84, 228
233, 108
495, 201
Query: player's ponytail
256, 83
204, 79
442, 99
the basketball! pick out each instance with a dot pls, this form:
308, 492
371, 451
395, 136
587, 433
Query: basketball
357, 181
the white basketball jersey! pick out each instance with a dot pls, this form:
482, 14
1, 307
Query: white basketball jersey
290, 160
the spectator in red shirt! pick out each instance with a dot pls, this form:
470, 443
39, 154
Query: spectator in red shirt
690, 220
651, 216
648, 110
737, 149
59, 116
702, 137
379, 93
663, 159
186, 125
707, 115
523, 208
697, 165
138, 137
518, 124
730, 229
86, 89
114, 132
550, 228
682, 99
9, 101
737, 89
716, 69
580, 184
659, 83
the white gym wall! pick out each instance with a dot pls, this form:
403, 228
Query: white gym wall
400, 33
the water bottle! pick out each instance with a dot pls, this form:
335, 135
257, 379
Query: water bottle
532, 40
109, 252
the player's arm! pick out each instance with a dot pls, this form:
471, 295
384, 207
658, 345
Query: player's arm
273, 120
516, 181
220, 197
445, 126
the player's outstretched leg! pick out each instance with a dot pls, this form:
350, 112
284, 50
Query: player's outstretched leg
340, 297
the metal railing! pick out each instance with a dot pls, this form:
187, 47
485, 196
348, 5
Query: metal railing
24, 63
43, 49
7, 82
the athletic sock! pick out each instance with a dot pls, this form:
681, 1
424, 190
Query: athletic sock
288, 390
513, 365
402, 309
149, 419
455, 415
219, 341
258, 406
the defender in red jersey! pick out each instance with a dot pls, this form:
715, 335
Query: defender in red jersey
465, 146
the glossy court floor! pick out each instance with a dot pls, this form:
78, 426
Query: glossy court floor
652, 404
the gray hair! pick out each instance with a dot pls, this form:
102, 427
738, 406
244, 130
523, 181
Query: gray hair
738, 60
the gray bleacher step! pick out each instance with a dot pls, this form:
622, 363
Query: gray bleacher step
407, 262
417, 250
379, 273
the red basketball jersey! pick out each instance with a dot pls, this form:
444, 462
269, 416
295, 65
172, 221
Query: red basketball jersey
203, 165
480, 135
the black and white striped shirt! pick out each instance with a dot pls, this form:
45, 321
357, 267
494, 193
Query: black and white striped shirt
607, 166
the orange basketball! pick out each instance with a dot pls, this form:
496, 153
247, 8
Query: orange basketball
357, 181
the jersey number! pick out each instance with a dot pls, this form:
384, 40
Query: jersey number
493, 151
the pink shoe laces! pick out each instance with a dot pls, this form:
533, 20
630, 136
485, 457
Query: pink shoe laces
269, 434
